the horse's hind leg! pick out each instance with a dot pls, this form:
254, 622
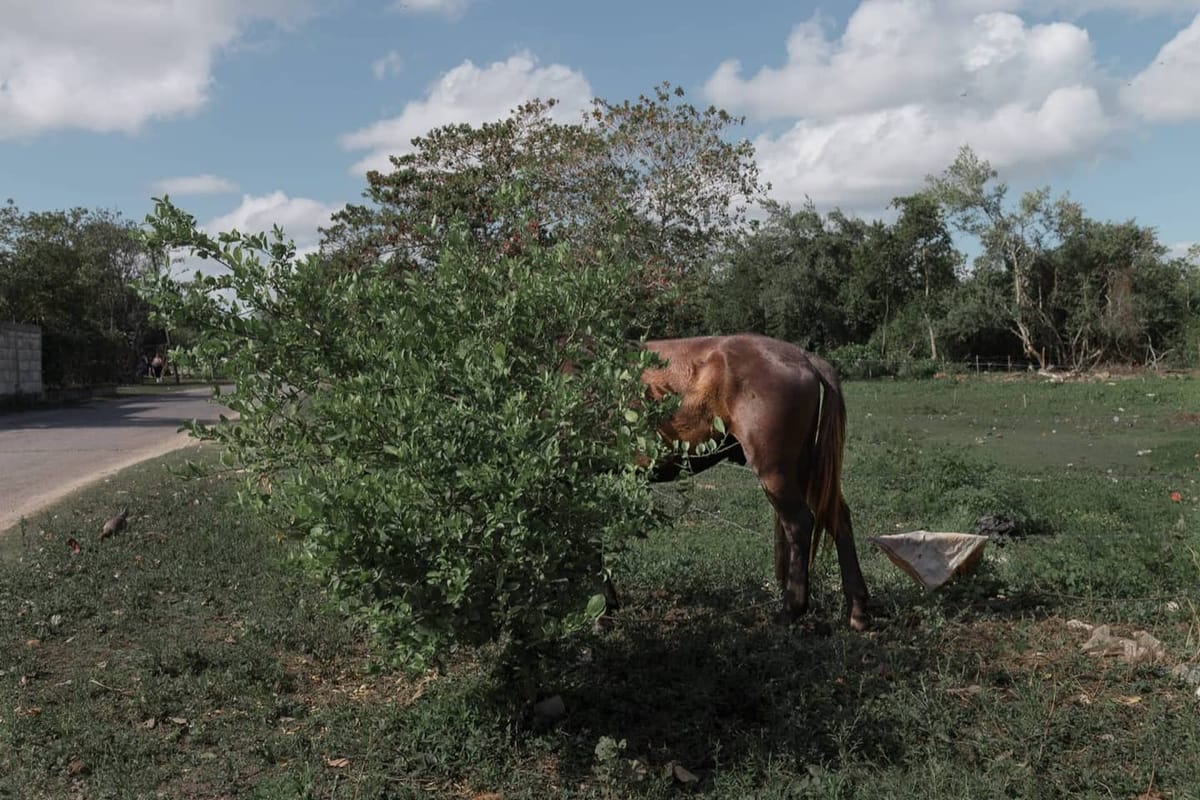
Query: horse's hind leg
797, 524
793, 537
853, 584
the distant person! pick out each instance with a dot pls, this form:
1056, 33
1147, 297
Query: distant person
156, 366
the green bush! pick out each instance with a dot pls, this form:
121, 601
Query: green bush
858, 361
917, 368
862, 362
454, 443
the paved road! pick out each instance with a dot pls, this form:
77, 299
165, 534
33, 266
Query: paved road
45, 455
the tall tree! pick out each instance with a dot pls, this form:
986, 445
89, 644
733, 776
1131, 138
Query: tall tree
70, 272
1015, 240
659, 166
829, 280
924, 249
1075, 291
1187, 339
787, 278
1116, 297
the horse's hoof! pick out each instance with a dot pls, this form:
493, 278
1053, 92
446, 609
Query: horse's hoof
789, 614
860, 621
604, 624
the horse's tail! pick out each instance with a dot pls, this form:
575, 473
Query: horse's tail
825, 475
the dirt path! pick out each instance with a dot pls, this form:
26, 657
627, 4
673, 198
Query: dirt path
46, 455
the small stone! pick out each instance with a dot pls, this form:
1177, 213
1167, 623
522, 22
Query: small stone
1188, 673
683, 774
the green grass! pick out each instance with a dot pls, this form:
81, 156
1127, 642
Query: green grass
186, 658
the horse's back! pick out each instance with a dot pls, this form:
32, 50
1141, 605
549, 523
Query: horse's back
746, 361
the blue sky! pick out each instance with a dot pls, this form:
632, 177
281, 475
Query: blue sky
260, 111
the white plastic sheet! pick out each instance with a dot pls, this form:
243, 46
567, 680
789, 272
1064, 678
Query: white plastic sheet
932, 558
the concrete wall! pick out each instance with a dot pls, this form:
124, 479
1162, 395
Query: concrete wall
20, 360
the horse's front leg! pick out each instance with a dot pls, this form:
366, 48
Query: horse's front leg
612, 601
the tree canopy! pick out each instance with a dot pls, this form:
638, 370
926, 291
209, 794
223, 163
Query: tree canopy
71, 272
1072, 291
659, 165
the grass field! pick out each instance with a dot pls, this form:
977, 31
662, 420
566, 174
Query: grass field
186, 658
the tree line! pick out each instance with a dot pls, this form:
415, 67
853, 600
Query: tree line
1048, 285
73, 273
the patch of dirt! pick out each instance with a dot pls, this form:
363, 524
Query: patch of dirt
1009, 377
351, 682
1110, 374
1187, 418
547, 767
1020, 646
66, 659
192, 787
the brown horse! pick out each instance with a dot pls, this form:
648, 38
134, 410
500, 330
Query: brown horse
785, 418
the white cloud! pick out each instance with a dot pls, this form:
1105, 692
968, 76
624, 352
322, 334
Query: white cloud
863, 160
892, 98
108, 66
299, 217
895, 52
447, 8
1184, 250
195, 184
1169, 89
472, 95
391, 64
